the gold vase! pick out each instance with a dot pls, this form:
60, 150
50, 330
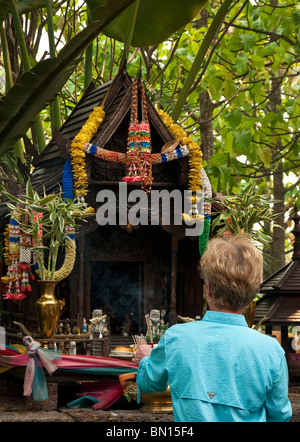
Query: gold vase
157, 402
47, 309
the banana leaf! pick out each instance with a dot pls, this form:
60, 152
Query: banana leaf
37, 87
156, 20
4, 8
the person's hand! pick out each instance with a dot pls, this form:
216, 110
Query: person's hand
141, 352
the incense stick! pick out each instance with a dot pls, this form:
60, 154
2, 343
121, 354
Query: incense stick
149, 329
139, 340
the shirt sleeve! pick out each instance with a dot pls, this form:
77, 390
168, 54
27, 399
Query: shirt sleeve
152, 375
278, 406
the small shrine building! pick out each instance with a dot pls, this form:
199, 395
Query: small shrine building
126, 270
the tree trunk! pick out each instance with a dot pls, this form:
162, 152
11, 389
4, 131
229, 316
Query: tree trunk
206, 128
278, 244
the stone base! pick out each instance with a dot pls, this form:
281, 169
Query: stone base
10, 387
48, 405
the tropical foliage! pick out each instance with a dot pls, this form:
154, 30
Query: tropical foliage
229, 75
244, 214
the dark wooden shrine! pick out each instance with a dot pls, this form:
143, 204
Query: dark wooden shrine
120, 269
279, 306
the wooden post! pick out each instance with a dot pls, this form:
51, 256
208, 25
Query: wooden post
106, 347
285, 344
173, 291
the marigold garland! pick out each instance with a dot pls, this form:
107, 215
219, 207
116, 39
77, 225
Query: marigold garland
6, 254
77, 153
196, 173
195, 154
68, 264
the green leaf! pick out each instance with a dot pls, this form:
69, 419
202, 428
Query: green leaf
229, 89
296, 17
241, 63
209, 36
242, 142
11, 197
48, 199
228, 143
37, 209
29, 190
234, 118
265, 155
41, 84
248, 41
4, 8
156, 20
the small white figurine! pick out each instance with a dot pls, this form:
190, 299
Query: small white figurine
99, 324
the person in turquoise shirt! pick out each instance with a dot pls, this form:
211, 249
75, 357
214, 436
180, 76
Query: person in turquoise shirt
219, 369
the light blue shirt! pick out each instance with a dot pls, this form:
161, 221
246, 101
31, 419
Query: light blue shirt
219, 370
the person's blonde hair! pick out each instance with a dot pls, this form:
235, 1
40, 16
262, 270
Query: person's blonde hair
233, 266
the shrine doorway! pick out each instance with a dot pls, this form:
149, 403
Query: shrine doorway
117, 289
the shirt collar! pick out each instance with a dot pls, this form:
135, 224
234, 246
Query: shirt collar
227, 318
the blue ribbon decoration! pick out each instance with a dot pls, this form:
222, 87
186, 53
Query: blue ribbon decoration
67, 186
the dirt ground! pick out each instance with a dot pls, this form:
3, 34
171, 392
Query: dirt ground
15, 409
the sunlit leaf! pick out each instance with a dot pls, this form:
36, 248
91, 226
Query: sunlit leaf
156, 20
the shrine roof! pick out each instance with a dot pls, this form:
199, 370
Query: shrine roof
115, 97
280, 303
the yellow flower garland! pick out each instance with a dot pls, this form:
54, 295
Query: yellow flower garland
195, 155
77, 153
68, 264
195, 162
6, 251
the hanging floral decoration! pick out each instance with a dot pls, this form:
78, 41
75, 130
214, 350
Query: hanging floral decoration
195, 165
198, 179
77, 152
138, 157
204, 237
117, 157
69, 259
17, 257
68, 187
195, 154
139, 154
6, 254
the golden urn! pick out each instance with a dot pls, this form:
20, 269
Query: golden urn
48, 309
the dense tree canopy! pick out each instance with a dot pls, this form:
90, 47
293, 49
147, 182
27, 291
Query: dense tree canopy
230, 76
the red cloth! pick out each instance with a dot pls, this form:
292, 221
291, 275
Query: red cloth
106, 393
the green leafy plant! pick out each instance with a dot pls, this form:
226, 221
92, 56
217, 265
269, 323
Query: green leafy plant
244, 213
45, 218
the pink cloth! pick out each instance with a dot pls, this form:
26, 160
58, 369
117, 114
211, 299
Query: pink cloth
37, 358
12, 358
294, 356
35, 350
132, 179
106, 393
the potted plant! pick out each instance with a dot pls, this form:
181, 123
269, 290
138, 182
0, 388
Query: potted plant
49, 221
